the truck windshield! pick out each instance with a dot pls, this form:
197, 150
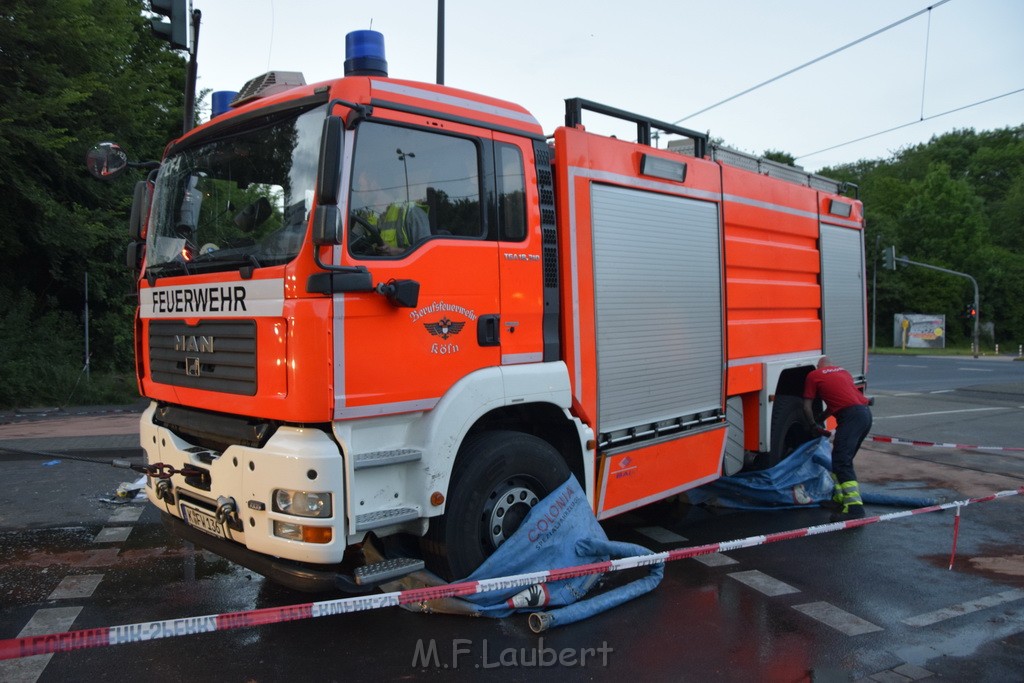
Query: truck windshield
241, 200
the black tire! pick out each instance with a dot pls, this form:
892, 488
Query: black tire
498, 477
789, 428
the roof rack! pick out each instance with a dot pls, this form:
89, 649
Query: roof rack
774, 169
644, 124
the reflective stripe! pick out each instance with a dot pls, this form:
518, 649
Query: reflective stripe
455, 101
837, 493
851, 494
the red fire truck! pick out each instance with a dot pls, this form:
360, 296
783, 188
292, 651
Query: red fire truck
377, 307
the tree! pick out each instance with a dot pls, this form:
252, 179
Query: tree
957, 202
75, 72
779, 156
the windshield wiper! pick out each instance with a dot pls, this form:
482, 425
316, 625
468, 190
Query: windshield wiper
225, 259
246, 264
165, 269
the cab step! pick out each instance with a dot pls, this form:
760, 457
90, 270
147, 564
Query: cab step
386, 570
384, 458
379, 518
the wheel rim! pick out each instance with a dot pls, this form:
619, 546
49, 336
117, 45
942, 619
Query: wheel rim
507, 507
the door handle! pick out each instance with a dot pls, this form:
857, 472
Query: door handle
488, 330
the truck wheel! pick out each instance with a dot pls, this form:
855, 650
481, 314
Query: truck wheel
789, 430
498, 477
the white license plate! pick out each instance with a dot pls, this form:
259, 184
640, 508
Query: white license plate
203, 521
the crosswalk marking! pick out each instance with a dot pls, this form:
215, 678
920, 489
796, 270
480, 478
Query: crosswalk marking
661, 535
113, 534
44, 621
763, 583
76, 586
126, 515
840, 620
965, 608
715, 560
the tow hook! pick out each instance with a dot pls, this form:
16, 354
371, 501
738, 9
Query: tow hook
227, 513
164, 491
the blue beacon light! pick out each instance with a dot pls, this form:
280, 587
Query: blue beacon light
220, 102
364, 54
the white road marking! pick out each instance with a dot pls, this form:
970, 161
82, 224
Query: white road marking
942, 391
103, 557
840, 620
965, 608
126, 514
975, 370
940, 412
661, 534
715, 560
76, 586
112, 534
764, 583
43, 622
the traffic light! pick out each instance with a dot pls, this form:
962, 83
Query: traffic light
970, 312
174, 31
889, 258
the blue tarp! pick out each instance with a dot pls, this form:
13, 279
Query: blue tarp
802, 479
560, 531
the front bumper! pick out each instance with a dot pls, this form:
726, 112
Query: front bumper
294, 575
294, 458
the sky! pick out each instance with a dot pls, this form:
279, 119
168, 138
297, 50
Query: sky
668, 60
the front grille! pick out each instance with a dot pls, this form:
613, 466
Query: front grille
213, 431
215, 356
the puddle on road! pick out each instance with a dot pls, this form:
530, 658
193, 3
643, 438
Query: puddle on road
1011, 565
1004, 564
34, 561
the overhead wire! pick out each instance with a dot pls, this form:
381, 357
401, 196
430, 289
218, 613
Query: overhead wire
910, 123
815, 60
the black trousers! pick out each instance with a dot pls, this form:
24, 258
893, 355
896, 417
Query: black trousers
854, 425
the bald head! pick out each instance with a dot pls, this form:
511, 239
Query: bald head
824, 362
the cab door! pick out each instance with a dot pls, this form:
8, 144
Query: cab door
520, 258
390, 359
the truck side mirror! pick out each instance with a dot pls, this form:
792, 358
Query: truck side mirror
134, 254
106, 161
140, 210
328, 176
327, 225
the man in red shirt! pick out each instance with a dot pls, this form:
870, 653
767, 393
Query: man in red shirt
834, 386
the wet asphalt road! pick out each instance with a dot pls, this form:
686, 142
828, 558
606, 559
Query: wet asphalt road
876, 602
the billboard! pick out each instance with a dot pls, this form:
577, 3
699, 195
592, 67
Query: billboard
919, 331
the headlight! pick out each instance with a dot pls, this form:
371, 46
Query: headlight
302, 503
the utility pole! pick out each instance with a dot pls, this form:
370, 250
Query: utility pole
85, 314
402, 156
440, 42
175, 31
874, 293
193, 67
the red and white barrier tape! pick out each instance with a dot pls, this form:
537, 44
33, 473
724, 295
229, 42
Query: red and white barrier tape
15, 648
932, 444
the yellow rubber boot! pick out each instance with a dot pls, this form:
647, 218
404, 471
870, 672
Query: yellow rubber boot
853, 506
